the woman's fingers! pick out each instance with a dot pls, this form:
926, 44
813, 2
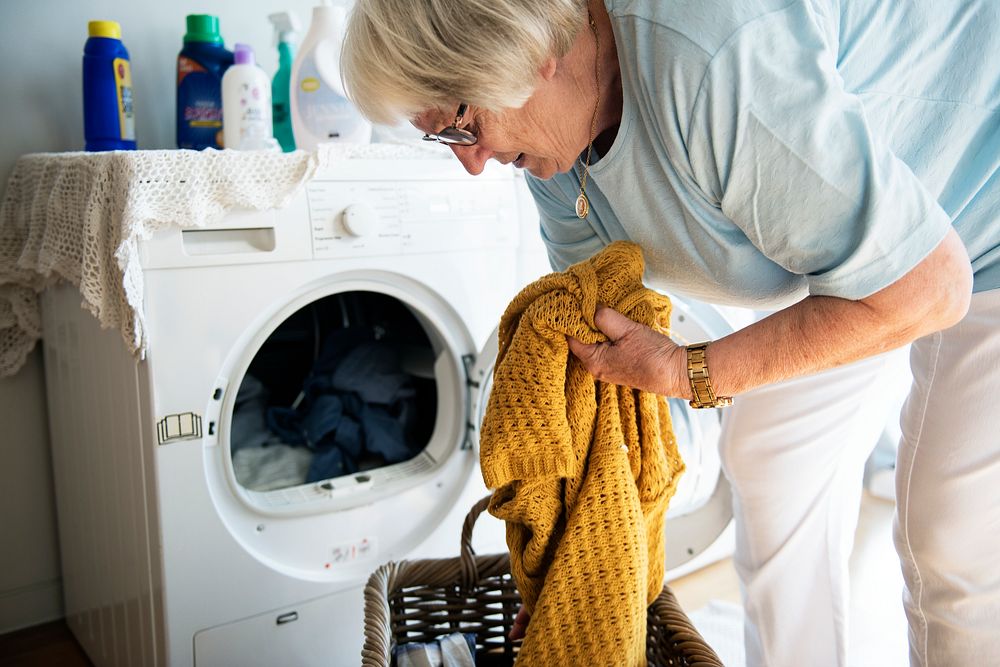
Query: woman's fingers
613, 324
634, 355
520, 624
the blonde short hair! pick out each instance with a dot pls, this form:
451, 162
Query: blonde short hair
402, 57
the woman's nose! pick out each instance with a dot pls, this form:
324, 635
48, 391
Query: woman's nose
473, 158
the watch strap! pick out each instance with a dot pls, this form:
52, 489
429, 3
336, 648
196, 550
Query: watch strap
701, 383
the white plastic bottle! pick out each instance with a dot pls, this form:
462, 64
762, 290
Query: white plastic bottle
246, 104
321, 112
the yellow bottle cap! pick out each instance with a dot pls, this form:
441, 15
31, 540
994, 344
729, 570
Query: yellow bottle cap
104, 29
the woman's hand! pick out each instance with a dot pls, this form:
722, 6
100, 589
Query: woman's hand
634, 356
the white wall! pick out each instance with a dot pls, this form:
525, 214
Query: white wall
29, 559
41, 110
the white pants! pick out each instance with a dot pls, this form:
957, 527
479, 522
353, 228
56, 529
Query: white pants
795, 453
947, 528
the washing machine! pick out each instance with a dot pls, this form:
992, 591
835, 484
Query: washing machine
306, 411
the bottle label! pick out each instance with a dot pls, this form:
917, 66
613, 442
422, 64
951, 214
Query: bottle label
279, 111
199, 106
326, 115
123, 85
254, 118
185, 66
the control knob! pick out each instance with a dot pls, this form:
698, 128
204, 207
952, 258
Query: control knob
360, 220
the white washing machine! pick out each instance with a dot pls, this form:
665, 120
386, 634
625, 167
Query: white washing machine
189, 534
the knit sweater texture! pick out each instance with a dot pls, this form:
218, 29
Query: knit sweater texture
582, 470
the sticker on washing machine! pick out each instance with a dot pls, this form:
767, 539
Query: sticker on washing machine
183, 426
354, 551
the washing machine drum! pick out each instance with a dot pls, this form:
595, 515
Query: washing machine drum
341, 388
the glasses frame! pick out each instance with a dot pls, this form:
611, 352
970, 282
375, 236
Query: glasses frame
453, 135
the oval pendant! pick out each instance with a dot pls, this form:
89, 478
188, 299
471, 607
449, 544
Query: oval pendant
582, 206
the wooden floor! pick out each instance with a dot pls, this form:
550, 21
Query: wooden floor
879, 638
48, 645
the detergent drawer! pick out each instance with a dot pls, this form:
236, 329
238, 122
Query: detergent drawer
297, 636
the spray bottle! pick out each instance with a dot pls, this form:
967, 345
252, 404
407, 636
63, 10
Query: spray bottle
286, 28
321, 111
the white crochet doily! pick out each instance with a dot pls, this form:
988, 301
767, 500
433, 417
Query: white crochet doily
78, 217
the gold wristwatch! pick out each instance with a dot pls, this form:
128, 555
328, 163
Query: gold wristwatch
701, 385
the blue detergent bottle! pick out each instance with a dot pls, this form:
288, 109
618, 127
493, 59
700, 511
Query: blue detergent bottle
200, 66
108, 116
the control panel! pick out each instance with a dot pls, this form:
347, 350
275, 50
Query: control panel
359, 218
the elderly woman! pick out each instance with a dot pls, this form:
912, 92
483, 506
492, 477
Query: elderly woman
834, 163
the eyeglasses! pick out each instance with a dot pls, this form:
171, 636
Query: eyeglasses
453, 135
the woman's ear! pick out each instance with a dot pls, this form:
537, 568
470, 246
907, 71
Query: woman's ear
548, 68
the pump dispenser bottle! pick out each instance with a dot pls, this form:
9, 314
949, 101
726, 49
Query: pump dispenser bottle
321, 111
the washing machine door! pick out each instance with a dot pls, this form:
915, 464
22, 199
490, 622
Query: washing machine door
315, 517
701, 508
480, 385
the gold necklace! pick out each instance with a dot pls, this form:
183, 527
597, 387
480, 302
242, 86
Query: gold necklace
582, 203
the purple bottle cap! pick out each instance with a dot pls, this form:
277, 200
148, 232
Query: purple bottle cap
243, 54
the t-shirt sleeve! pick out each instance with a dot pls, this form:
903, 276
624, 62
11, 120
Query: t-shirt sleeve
568, 239
789, 156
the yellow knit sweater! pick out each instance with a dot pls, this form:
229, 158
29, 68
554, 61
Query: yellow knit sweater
582, 470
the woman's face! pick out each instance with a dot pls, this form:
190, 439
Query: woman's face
542, 136
549, 132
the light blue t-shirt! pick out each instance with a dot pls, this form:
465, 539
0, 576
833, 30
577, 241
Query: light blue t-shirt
772, 149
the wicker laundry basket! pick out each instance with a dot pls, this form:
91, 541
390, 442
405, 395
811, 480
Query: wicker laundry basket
419, 601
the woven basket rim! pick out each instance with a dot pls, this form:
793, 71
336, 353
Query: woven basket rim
473, 573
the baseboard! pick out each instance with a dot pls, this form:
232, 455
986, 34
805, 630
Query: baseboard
30, 605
